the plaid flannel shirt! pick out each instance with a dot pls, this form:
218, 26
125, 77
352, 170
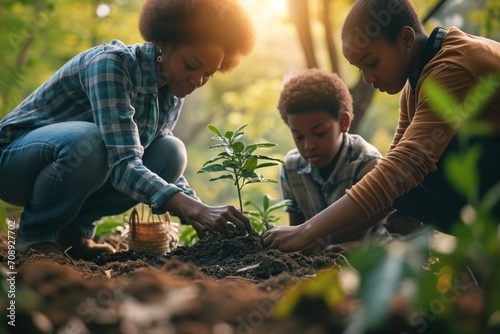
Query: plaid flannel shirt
114, 86
310, 193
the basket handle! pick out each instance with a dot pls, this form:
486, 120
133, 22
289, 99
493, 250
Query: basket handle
165, 216
133, 220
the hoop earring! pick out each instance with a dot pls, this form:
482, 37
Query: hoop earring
159, 57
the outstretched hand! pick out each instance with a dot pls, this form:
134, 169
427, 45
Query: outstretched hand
286, 238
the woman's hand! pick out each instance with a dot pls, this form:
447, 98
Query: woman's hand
200, 230
222, 219
286, 238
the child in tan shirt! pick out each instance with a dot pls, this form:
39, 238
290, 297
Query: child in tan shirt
387, 42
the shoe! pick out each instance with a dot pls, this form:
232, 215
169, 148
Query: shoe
82, 248
47, 247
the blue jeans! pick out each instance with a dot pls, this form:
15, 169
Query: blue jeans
59, 174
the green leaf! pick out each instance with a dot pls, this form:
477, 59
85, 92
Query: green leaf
214, 130
272, 219
378, 289
250, 149
253, 147
440, 100
230, 164
250, 164
260, 180
265, 202
254, 214
226, 176
240, 128
366, 257
462, 171
279, 205
217, 146
212, 168
258, 227
249, 175
261, 218
238, 147
229, 135
264, 157
267, 164
238, 159
107, 227
383, 268
448, 108
474, 128
491, 198
188, 237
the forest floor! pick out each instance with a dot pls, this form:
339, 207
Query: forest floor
220, 285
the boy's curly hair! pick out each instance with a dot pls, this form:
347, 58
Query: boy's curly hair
313, 90
189, 21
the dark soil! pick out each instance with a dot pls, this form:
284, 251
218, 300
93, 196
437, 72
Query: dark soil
220, 285
244, 256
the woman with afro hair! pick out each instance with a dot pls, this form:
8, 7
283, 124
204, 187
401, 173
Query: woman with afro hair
96, 138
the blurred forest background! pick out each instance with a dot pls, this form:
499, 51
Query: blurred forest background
38, 36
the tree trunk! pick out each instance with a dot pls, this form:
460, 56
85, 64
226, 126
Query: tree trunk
433, 11
330, 44
362, 95
22, 57
299, 14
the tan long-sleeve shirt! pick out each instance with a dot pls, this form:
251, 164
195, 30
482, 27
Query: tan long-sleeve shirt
466, 66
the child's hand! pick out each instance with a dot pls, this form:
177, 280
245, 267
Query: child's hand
285, 238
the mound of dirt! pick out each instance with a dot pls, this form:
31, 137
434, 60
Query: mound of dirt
221, 284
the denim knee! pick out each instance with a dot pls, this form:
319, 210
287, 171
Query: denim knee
46, 158
83, 155
62, 164
167, 157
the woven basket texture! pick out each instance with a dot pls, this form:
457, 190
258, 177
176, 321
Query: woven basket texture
154, 236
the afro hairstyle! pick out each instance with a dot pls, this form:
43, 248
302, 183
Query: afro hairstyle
312, 90
222, 22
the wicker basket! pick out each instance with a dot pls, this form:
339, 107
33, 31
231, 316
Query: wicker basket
152, 236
